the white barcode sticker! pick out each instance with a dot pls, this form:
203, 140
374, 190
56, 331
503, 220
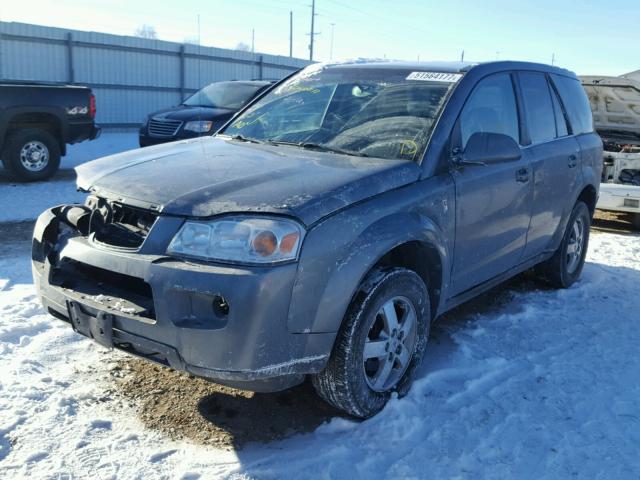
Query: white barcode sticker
435, 76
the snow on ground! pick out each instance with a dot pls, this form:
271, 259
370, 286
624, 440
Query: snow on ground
544, 385
26, 201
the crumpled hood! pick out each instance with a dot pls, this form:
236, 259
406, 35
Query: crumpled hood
212, 175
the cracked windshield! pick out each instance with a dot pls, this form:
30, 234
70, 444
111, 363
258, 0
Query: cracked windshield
369, 112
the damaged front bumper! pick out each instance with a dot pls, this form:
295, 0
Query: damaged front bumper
222, 322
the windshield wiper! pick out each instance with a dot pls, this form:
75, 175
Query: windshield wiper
325, 148
242, 138
318, 147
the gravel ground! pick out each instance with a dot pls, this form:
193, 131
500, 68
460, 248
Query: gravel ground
186, 407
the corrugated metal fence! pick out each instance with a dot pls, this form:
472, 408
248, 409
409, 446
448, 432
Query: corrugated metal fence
130, 76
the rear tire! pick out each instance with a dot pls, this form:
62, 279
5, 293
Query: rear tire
362, 386
31, 154
565, 267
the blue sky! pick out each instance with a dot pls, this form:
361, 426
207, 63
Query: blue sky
589, 37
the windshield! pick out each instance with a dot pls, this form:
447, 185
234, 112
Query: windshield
229, 95
365, 111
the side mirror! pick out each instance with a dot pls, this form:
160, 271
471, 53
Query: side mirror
484, 148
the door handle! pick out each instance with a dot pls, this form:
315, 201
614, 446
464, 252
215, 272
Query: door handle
522, 175
573, 161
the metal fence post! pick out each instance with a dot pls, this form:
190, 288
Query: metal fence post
70, 72
182, 73
1, 70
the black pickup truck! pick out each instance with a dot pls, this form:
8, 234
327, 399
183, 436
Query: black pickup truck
37, 121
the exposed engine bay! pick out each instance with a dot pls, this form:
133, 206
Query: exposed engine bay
110, 223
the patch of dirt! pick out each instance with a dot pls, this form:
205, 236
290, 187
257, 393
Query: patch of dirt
613, 222
183, 406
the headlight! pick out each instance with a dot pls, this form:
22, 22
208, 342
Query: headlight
239, 239
199, 126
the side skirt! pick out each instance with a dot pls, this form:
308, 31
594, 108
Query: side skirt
489, 284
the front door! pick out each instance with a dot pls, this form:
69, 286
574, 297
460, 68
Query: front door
493, 202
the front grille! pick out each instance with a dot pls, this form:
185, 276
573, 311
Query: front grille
118, 225
163, 128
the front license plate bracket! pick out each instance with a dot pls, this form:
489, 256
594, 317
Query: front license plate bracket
99, 327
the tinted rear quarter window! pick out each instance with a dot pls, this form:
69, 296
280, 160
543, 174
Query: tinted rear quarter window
576, 103
491, 108
539, 112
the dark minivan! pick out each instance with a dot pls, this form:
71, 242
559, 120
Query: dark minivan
202, 113
324, 229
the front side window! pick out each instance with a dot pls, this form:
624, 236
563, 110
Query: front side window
491, 108
362, 111
227, 95
539, 115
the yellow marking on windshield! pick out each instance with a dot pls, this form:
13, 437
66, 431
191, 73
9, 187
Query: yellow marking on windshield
409, 147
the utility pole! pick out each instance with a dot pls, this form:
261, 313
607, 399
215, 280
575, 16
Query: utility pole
290, 33
313, 33
253, 53
553, 58
462, 56
253, 41
331, 49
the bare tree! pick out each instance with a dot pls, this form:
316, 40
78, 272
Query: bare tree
243, 47
146, 31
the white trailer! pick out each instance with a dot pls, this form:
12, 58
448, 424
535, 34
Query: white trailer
615, 102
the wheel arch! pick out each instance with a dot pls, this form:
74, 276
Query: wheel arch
589, 195
49, 120
422, 258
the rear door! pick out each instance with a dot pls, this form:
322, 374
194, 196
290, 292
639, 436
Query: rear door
493, 202
554, 154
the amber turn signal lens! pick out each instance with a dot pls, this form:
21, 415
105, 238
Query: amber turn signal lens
265, 243
288, 242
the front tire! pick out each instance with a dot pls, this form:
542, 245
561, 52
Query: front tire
380, 344
565, 267
31, 154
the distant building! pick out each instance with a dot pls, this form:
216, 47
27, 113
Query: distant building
635, 75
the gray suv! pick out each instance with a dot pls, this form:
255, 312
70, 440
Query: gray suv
328, 224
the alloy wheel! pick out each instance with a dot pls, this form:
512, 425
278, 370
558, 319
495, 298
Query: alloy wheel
390, 344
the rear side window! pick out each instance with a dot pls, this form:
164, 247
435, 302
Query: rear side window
491, 108
575, 102
539, 113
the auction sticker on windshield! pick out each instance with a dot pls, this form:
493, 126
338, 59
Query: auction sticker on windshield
435, 76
